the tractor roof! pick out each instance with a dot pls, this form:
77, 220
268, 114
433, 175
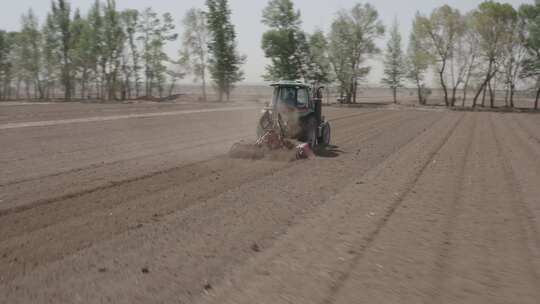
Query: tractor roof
289, 83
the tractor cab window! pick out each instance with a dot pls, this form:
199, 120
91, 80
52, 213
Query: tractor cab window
287, 95
293, 97
303, 98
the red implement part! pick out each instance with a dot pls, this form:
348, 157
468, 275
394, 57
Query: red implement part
303, 151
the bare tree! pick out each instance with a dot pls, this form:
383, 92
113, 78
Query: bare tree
492, 22
513, 56
440, 31
462, 62
471, 42
418, 61
61, 16
530, 15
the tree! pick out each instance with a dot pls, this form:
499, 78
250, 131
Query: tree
339, 57
113, 44
285, 44
352, 40
470, 40
530, 14
51, 56
154, 33
81, 51
318, 66
19, 75
418, 61
464, 53
224, 60
61, 16
492, 22
394, 63
439, 32
96, 49
6, 64
195, 40
130, 19
30, 54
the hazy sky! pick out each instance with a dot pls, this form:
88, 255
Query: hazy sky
247, 18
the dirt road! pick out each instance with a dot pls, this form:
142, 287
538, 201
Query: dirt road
138, 204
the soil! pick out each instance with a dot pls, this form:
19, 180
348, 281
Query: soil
145, 206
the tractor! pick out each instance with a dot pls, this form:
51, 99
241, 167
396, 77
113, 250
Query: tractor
295, 112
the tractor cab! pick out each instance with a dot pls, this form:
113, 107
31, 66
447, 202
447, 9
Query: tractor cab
292, 96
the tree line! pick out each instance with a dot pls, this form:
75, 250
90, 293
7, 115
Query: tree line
116, 55
473, 54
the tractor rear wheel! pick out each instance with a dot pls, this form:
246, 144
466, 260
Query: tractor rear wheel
311, 132
326, 135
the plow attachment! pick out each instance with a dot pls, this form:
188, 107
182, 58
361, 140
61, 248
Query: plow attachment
272, 146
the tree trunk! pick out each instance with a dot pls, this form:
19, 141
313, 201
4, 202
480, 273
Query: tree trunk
491, 96
18, 89
537, 98
203, 78
114, 81
350, 92
173, 83
48, 90
454, 91
220, 93
27, 89
419, 88
351, 97
490, 74
41, 90
355, 90
105, 77
394, 92
98, 96
512, 93
484, 96
506, 96
83, 90
443, 84
53, 87
135, 68
148, 80
67, 85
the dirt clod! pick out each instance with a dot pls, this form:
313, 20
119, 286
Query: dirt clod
145, 270
255, 247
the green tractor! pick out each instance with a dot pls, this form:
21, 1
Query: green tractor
295, 113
